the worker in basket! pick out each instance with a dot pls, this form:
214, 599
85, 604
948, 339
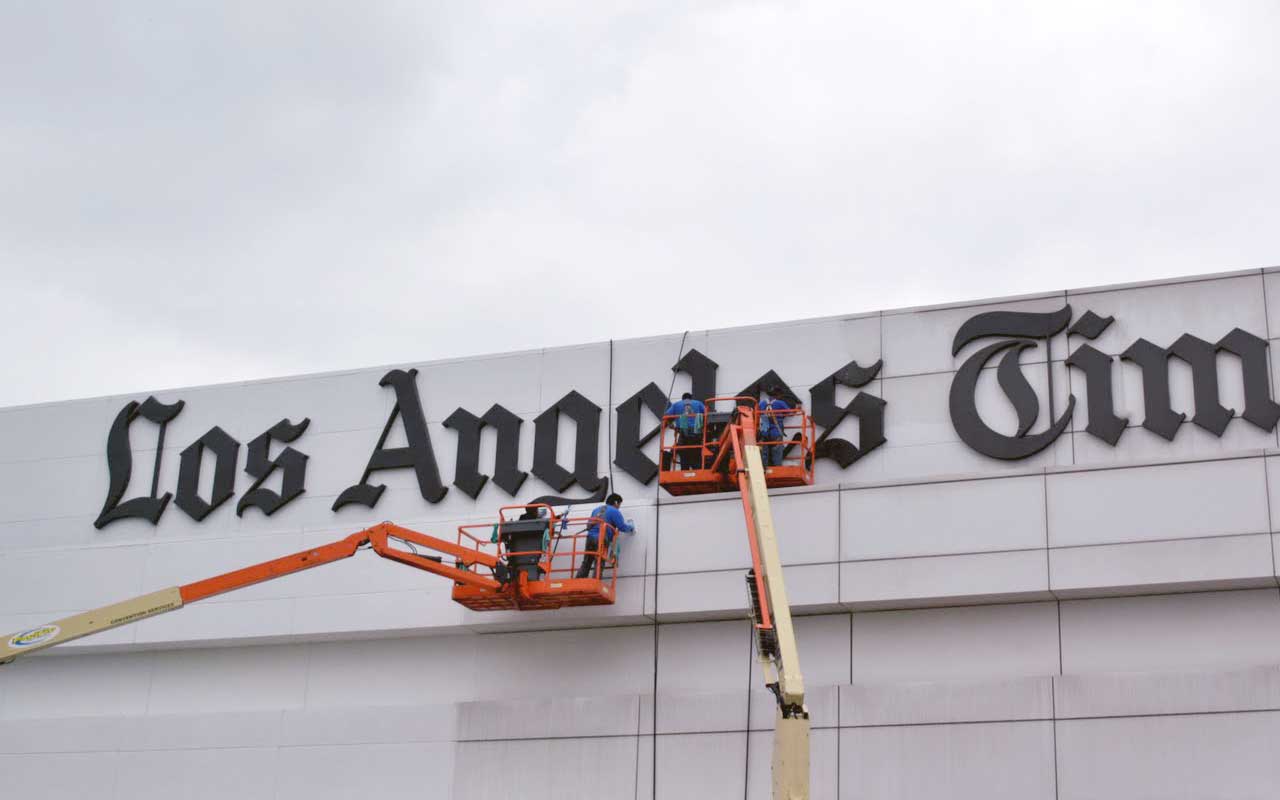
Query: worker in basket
610, 514
771, 426
689, 414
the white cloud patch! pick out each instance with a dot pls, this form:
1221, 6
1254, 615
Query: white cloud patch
198, 193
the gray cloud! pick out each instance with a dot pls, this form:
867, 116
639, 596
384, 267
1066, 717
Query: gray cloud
198, 193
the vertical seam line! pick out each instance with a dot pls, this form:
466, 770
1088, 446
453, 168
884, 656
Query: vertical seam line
1053, 706
746, 743
1271, 536
1266, 322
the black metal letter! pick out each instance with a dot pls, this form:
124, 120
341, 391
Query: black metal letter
546, 437
968, 423
766, 381
418, 454
1200, 355
1030, 324
1210, 414
120, 463
628, 446
225, 451
506, 474
701, 371
1259, 408
629, 442
1096, 366
866, 408
260, 466
597, 496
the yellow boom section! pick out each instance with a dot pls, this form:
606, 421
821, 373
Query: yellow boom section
791, 725
83, 624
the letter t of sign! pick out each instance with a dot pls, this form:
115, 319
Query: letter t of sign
968, 422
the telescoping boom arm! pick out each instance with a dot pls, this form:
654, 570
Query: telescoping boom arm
379, 538
724, 455
771, 614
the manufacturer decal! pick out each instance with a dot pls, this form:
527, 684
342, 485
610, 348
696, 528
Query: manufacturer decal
34, 636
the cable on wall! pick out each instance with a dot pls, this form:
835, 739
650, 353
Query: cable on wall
657, 543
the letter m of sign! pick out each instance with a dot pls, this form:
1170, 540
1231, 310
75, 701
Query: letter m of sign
1202, 357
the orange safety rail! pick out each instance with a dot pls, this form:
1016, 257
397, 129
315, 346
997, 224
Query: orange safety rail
570, 547
712, 471
557, 584
797, 437
481, 539
674, 454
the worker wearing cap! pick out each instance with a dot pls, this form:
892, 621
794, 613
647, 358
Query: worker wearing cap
611, 515
771, 424
690, 415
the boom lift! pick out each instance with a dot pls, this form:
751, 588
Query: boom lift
531, 562
526, 563
726, 455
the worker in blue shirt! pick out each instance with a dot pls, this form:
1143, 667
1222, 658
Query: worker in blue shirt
690, 415
610, 514
771, 426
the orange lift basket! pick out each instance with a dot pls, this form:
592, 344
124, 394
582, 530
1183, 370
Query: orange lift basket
710, 462
536, 558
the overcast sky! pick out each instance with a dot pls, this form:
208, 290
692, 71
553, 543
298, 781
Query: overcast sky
205, 192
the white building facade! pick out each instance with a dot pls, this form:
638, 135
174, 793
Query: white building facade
1038, 561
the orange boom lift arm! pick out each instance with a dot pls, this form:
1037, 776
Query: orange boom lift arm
525, 564
377, 538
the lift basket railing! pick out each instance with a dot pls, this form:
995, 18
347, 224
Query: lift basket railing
792, 429
559, 551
